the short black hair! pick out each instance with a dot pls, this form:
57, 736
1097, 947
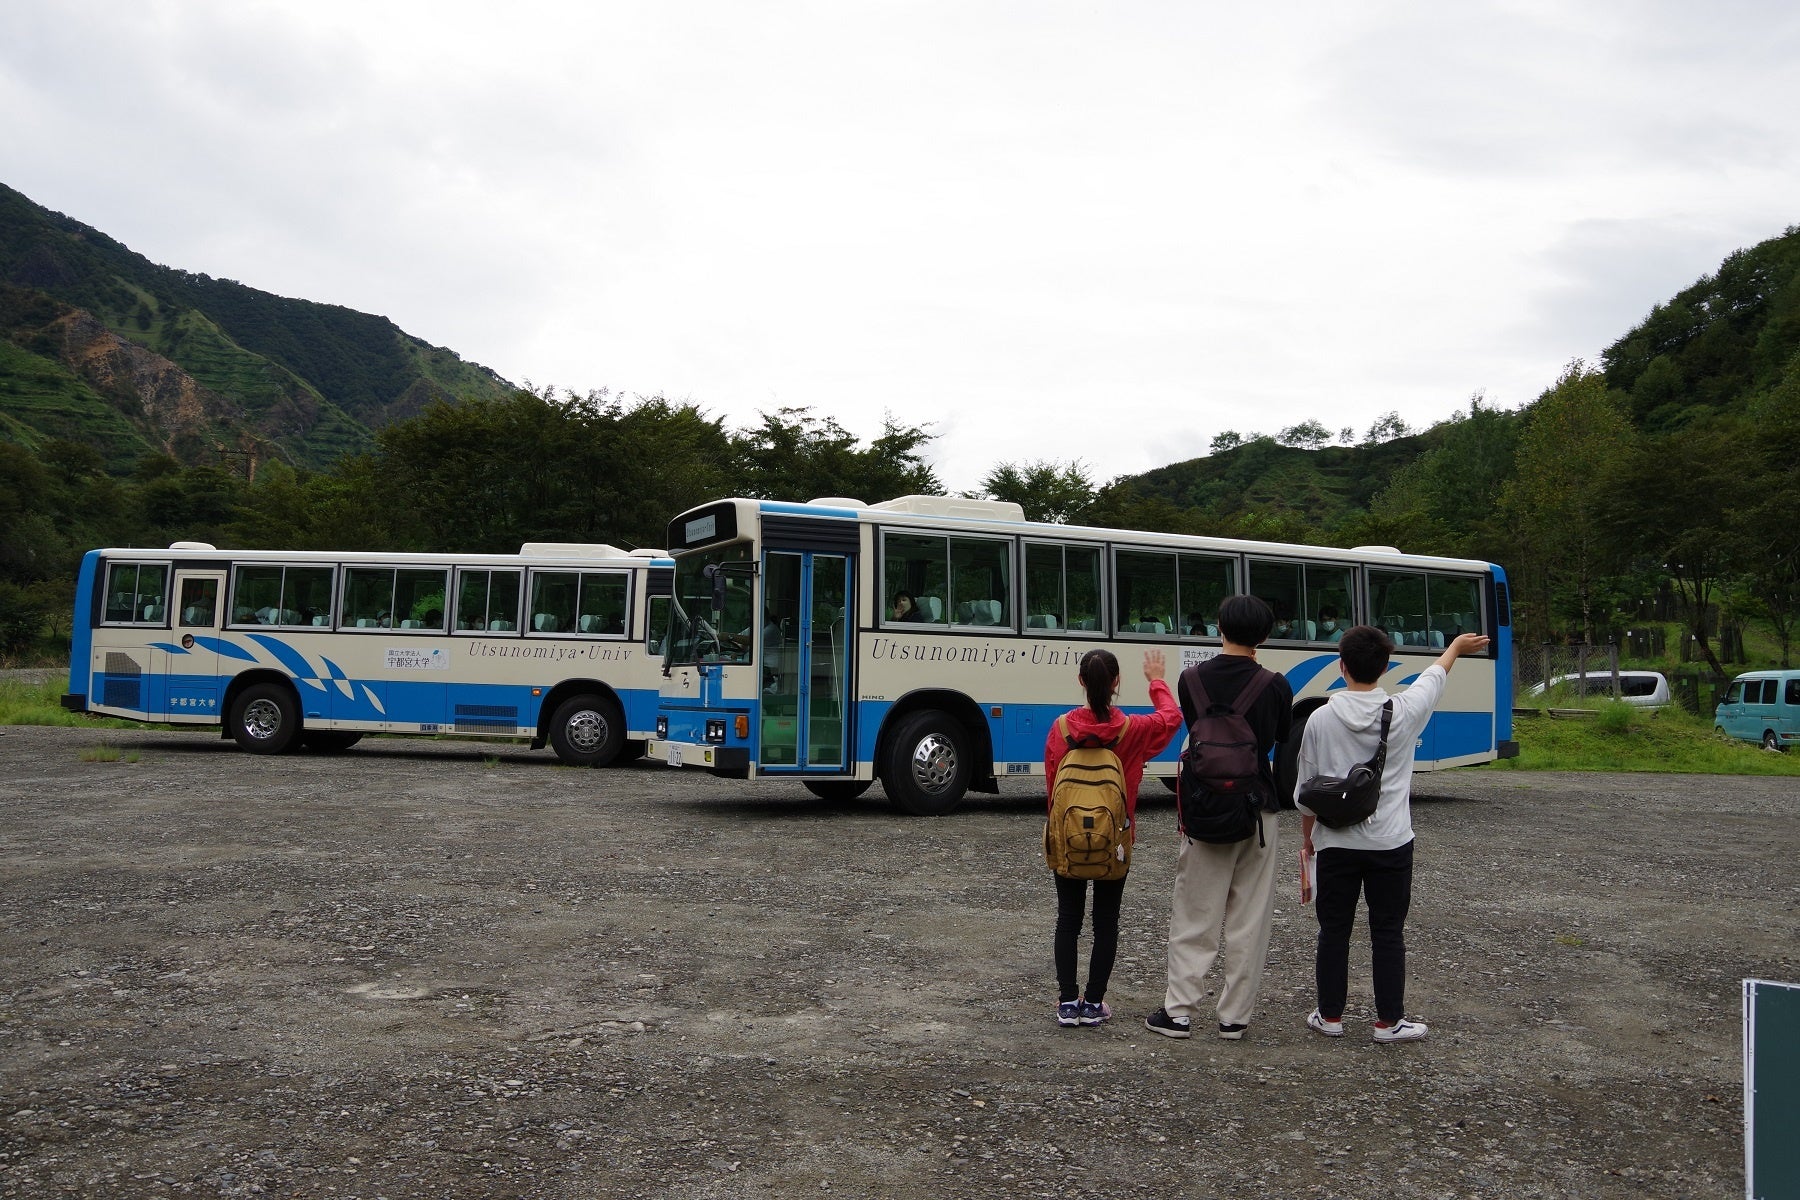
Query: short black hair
1365, 651
1245, 620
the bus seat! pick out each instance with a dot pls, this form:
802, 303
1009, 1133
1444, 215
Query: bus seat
288, 616
981, 612
1150, 627
412, 623
590, 623
544, 622
502, 625
465, 623
321, 620
1040, 621
1437, 639
153, 612
366, 622
932, 607
1310, 629
195, 614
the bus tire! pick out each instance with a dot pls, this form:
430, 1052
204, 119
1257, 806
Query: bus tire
927, 768
838, 791
265, 719
587, 731
329, 741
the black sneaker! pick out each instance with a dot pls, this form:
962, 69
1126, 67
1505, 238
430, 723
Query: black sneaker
1231, 1033
1161, 1022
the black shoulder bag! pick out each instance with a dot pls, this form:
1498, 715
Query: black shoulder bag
1341, 803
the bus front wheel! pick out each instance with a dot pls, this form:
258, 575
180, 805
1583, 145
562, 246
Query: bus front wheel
265, 719
927, 768
587, 731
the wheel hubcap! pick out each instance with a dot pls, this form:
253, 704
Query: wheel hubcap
262, 719
934, 763
587, 731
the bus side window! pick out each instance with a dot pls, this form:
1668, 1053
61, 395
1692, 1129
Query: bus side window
199, 600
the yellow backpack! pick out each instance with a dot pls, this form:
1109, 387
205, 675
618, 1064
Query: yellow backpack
1088, 835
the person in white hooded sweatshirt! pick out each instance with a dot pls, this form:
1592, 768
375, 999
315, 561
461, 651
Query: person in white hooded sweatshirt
1375, 857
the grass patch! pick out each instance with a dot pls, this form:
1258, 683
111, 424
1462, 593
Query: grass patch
107, 754
26, 702
1622, 738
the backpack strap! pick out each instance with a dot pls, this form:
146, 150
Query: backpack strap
1262, 679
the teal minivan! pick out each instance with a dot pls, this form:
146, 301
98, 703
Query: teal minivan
1762, 706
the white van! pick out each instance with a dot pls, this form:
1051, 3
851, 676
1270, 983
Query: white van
1762, 706
1647, 689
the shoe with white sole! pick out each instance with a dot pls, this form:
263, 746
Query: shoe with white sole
1317, 1022
1401, 1031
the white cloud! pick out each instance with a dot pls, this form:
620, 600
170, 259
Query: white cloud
1049, 230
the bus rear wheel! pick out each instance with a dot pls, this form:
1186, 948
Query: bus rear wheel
265, 719
927, 767
587, 731
838, 791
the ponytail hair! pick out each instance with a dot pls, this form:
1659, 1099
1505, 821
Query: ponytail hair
1098, 671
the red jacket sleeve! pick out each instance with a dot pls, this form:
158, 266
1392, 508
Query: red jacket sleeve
1151, 733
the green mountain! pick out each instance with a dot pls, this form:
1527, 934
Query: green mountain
99, 345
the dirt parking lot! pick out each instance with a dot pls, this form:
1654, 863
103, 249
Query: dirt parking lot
436, 969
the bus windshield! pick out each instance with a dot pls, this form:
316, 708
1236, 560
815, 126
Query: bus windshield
699, 633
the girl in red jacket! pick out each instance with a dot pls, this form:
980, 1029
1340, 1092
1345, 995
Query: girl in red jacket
1144, 739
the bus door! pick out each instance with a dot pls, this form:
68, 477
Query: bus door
804, 658
193, 674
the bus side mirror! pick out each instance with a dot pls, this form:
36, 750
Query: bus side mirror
717, 575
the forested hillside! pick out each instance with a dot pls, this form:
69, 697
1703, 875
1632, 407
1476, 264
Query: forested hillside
1669, 468
99, 345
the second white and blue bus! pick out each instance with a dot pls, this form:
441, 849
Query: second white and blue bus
557, 645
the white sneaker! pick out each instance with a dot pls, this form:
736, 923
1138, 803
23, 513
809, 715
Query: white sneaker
1401, 1031
1328, 1028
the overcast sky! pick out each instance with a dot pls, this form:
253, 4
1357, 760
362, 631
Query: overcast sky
1102, 232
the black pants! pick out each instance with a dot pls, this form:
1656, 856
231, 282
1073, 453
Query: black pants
1071, 899
1384, 877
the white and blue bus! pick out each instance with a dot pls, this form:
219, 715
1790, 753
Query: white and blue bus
559, 644
786, 658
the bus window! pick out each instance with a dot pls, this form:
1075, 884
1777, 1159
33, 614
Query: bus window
602, 605
419, 599
1328, 610
277, 595
1203, 582
656, 624
487, 600
368, 597
199, 602
1144, 590
1426, 609
981, 581
553, 595
1282, 585
920, 566
134, 592
1062, 586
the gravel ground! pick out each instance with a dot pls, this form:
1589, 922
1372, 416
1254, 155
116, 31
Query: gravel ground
451, 970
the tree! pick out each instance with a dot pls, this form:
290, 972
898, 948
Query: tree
1308, 435
1571, 447
1231, 439
794, 455
1677, 501
1061, 493
1386, 428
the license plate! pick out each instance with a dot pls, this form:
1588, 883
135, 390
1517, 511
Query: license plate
674, 755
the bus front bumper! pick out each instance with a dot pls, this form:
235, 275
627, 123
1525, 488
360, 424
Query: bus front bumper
700, 754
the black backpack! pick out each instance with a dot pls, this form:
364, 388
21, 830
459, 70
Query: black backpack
1220, 790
